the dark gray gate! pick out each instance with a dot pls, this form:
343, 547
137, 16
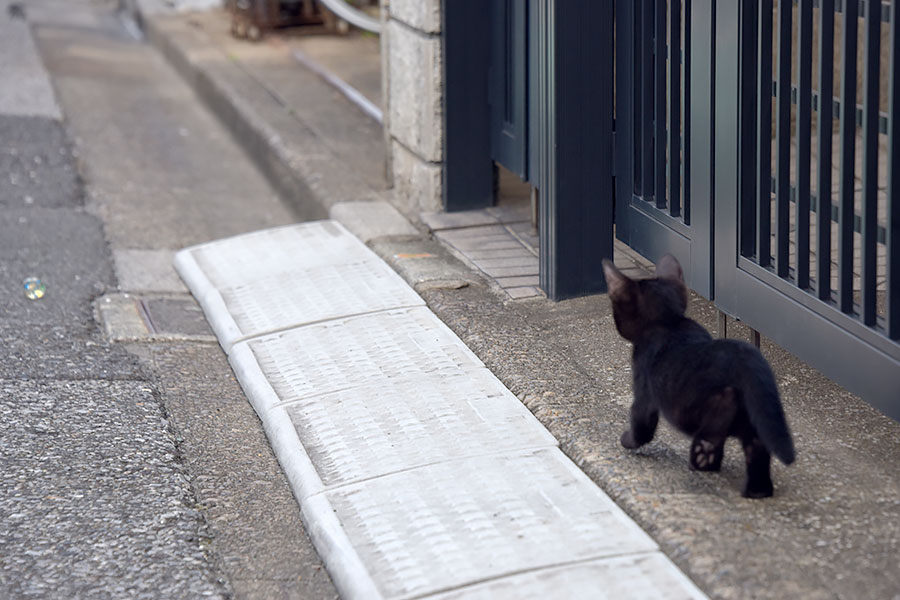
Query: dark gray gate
663, 170
788, 213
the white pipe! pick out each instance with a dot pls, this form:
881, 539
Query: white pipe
353, 15
352, 94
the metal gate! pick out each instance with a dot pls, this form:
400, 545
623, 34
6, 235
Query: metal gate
778, 198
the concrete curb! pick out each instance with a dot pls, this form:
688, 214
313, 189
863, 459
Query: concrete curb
372, 220
296, 162
262, 143
347, 571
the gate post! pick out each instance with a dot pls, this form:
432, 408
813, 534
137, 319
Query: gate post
468, 170
575, 142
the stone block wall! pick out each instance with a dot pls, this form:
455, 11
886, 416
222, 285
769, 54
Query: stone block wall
414, 85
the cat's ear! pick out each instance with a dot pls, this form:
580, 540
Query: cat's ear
616, 281
668, 268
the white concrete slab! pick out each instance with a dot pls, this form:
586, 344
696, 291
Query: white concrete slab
359, 351
648, 576
289, 276
447, 525
311, 295
251, 257
402, 423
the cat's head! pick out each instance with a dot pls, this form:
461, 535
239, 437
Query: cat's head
642, 304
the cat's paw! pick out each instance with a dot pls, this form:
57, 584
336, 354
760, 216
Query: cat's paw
758, 490
628, 440
706, 456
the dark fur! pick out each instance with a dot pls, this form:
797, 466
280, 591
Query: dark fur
709, 389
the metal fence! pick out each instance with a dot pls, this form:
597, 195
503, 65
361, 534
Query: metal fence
819, 204
822, 222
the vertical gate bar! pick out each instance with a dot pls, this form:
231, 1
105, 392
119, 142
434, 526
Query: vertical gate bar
540, 70
749, 132
532, 102
645, 26
686, 147
755, 338
848, 157
637, 96
804, 139
870, 159
675, 108
509, 70
508, 85
626, 123
825, 128
659, 137
893, 172
764, 142
783, 140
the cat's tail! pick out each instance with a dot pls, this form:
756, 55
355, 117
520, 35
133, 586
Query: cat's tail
763, 407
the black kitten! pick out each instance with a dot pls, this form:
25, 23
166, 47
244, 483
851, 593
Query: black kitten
709, 389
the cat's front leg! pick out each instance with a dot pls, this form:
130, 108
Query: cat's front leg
644, 418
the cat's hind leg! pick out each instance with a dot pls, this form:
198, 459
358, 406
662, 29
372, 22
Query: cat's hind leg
708, 445
706, 455
759, 479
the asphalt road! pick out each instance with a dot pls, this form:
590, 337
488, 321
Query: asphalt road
126, 470
94, 496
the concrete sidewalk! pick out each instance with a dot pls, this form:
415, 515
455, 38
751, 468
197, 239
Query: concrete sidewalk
833, 528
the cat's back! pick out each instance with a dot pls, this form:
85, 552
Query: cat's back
741, 357
675, 336
671, 350
700, 362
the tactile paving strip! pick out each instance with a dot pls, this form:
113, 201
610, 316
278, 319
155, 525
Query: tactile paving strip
480, 518
313, 295
406, 422
262, 254
271, 280
418, 472
369, 349
650, 576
